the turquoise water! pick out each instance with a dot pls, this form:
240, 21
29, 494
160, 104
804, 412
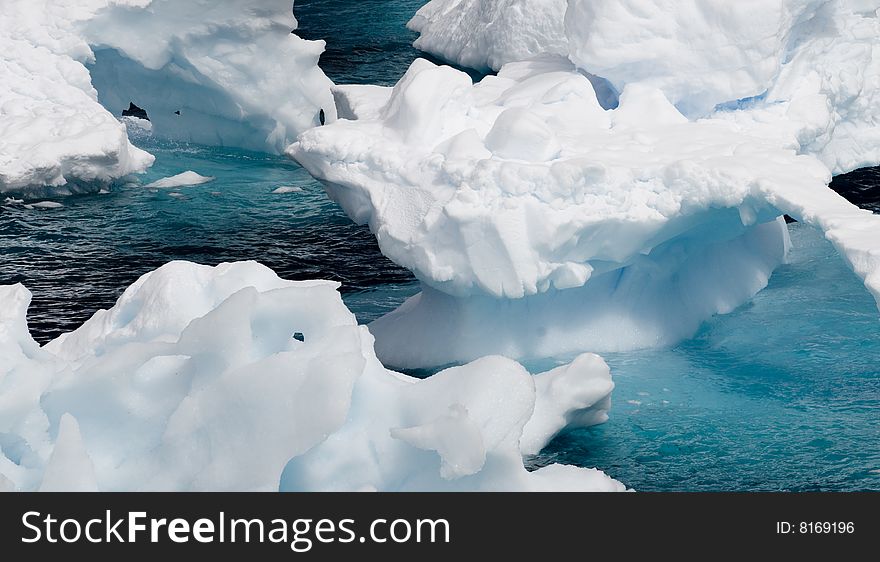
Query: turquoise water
782, 394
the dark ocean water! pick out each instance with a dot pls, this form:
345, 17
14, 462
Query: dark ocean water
367, 40
782, 394
79, 258
861, 187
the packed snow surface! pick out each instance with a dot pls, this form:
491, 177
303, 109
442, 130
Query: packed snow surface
540, 223
225, 73
230, 378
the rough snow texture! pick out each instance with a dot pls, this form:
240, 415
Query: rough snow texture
485, 35
54, 134
541, 223
804, 71
195, 380
232, 69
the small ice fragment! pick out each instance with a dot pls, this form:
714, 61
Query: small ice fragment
287, 189
180, 180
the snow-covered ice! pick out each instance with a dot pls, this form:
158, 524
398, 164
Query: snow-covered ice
487, 34
541, 224
806, 72
54, 134
194, 381
227, 73
182, 179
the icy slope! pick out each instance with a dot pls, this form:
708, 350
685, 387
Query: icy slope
228, 73
541, 224
224, 378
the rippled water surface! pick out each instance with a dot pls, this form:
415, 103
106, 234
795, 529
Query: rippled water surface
78, 258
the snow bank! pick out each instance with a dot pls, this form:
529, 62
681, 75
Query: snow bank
540, 223
226, 73
224, 378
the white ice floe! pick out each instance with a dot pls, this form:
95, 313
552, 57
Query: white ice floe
540, 223
286, 189
230, 378
182, 179
226, 73
44, 205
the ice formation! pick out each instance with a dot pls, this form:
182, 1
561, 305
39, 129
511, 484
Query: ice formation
542, 224
196, 380
182, 179
485, 35
53, 132
228, 73
804, 71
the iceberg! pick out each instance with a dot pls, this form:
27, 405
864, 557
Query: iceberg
487, 34
230, 378
225, 73
541, 224
55, 138
805, 72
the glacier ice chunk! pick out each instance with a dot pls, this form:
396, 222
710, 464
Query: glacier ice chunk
220, 73
196, 380
540, 223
